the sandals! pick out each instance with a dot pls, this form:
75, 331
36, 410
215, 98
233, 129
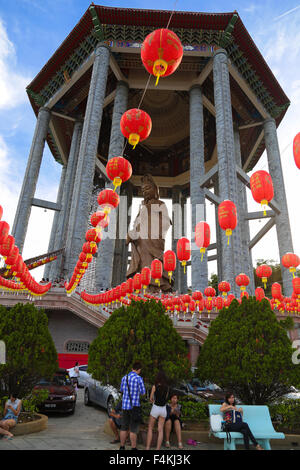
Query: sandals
258, 447
167, 444
180, 446
7, 438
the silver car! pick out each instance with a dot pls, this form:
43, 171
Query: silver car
83, 375
99, 394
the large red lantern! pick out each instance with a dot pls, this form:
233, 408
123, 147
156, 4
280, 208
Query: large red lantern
261, 186
259, 293
108, 199
242, 280
197, 296
129, 285
12, 258
264, 272
100, 219
118, 170
290, 261
276, 291
156, 270
183, 251
202, 236
135, 125
4, 231
161, 53
219, 303
224, 287
209, 292
169, 263
93, 236
137, 283
227, 215
296, 150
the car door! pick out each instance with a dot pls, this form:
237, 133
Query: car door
99, 393
83, 375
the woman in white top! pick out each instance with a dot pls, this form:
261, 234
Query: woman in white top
11, 413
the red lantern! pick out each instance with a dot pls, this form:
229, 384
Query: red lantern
123, 289
118, 170
7, 246
135, 125
170, 263
296, 286
186, 299
145, 277
99, 218
12, 258
202, 236
129, 285
161, 53
242, 280
224, 287
208, 304
209, 292
192, 306
290, 261
264, 272
276, 291
244, 294
219, 303
107, 200
4, 231
259, 293
197, 296
137, 283
1, 212
183, 251
296, 150
227, 215
156, 270
261, 186
93, 236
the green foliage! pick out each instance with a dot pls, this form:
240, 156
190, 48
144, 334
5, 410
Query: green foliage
276, 275
30, 404
213, 282
248, 351
193, 410
287, 413
30, 351
141, 332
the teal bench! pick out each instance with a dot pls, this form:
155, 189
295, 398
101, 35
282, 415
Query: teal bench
259, 421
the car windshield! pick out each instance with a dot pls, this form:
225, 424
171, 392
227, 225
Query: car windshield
59, 379
83, 368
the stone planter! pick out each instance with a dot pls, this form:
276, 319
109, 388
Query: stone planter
33, 426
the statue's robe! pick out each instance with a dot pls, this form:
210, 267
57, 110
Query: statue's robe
148, 240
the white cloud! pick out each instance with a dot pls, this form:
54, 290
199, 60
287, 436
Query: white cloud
12, 83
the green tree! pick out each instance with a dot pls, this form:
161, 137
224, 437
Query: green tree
30, 351
213, 282
141, 332
248, 351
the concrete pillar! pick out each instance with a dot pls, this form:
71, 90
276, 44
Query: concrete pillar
194, 348
120, 260
218, 238
30, 179
247, 263
231, 255
197, 170
176, 231
183, 278
68, 189
284, 236
104, 266
87, 154
56, 217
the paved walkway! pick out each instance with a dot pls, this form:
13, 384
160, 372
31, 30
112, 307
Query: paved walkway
81, 431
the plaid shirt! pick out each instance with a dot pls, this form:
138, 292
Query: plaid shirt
137, 388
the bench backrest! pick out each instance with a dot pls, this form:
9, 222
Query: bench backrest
257, 417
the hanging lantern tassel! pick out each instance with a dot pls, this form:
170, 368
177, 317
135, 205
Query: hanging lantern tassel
183, 263
157, 282
228, 234
170, 276
264, 203
264, 280
117, 182
202, 251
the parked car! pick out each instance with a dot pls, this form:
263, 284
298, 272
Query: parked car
62, 395
294, 394
83, 375
99, 394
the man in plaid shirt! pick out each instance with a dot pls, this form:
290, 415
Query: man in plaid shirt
136, 388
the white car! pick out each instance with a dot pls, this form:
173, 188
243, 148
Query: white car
83, 375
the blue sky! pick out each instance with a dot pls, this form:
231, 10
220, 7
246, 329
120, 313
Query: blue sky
30, 32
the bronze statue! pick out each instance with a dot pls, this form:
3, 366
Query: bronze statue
147, 237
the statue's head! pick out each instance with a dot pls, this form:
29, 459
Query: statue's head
149, 188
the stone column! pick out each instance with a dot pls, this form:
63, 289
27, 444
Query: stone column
56, 217
120, 260
231, 255
284, 236
194, 348
218, 238
247, 263
104, 267
30, 179
88, 152
183, 278
197, 170
176, 231
62, 225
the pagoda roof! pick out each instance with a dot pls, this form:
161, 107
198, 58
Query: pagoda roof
159, 18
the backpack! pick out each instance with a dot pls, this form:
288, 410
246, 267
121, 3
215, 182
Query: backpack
216, 422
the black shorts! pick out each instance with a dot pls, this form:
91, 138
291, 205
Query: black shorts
117, 421
173, 419
127, 422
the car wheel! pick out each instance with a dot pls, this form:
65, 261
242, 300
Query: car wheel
110, 405
87, 401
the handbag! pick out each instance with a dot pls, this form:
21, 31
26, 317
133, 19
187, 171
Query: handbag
136, 411
216, 422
